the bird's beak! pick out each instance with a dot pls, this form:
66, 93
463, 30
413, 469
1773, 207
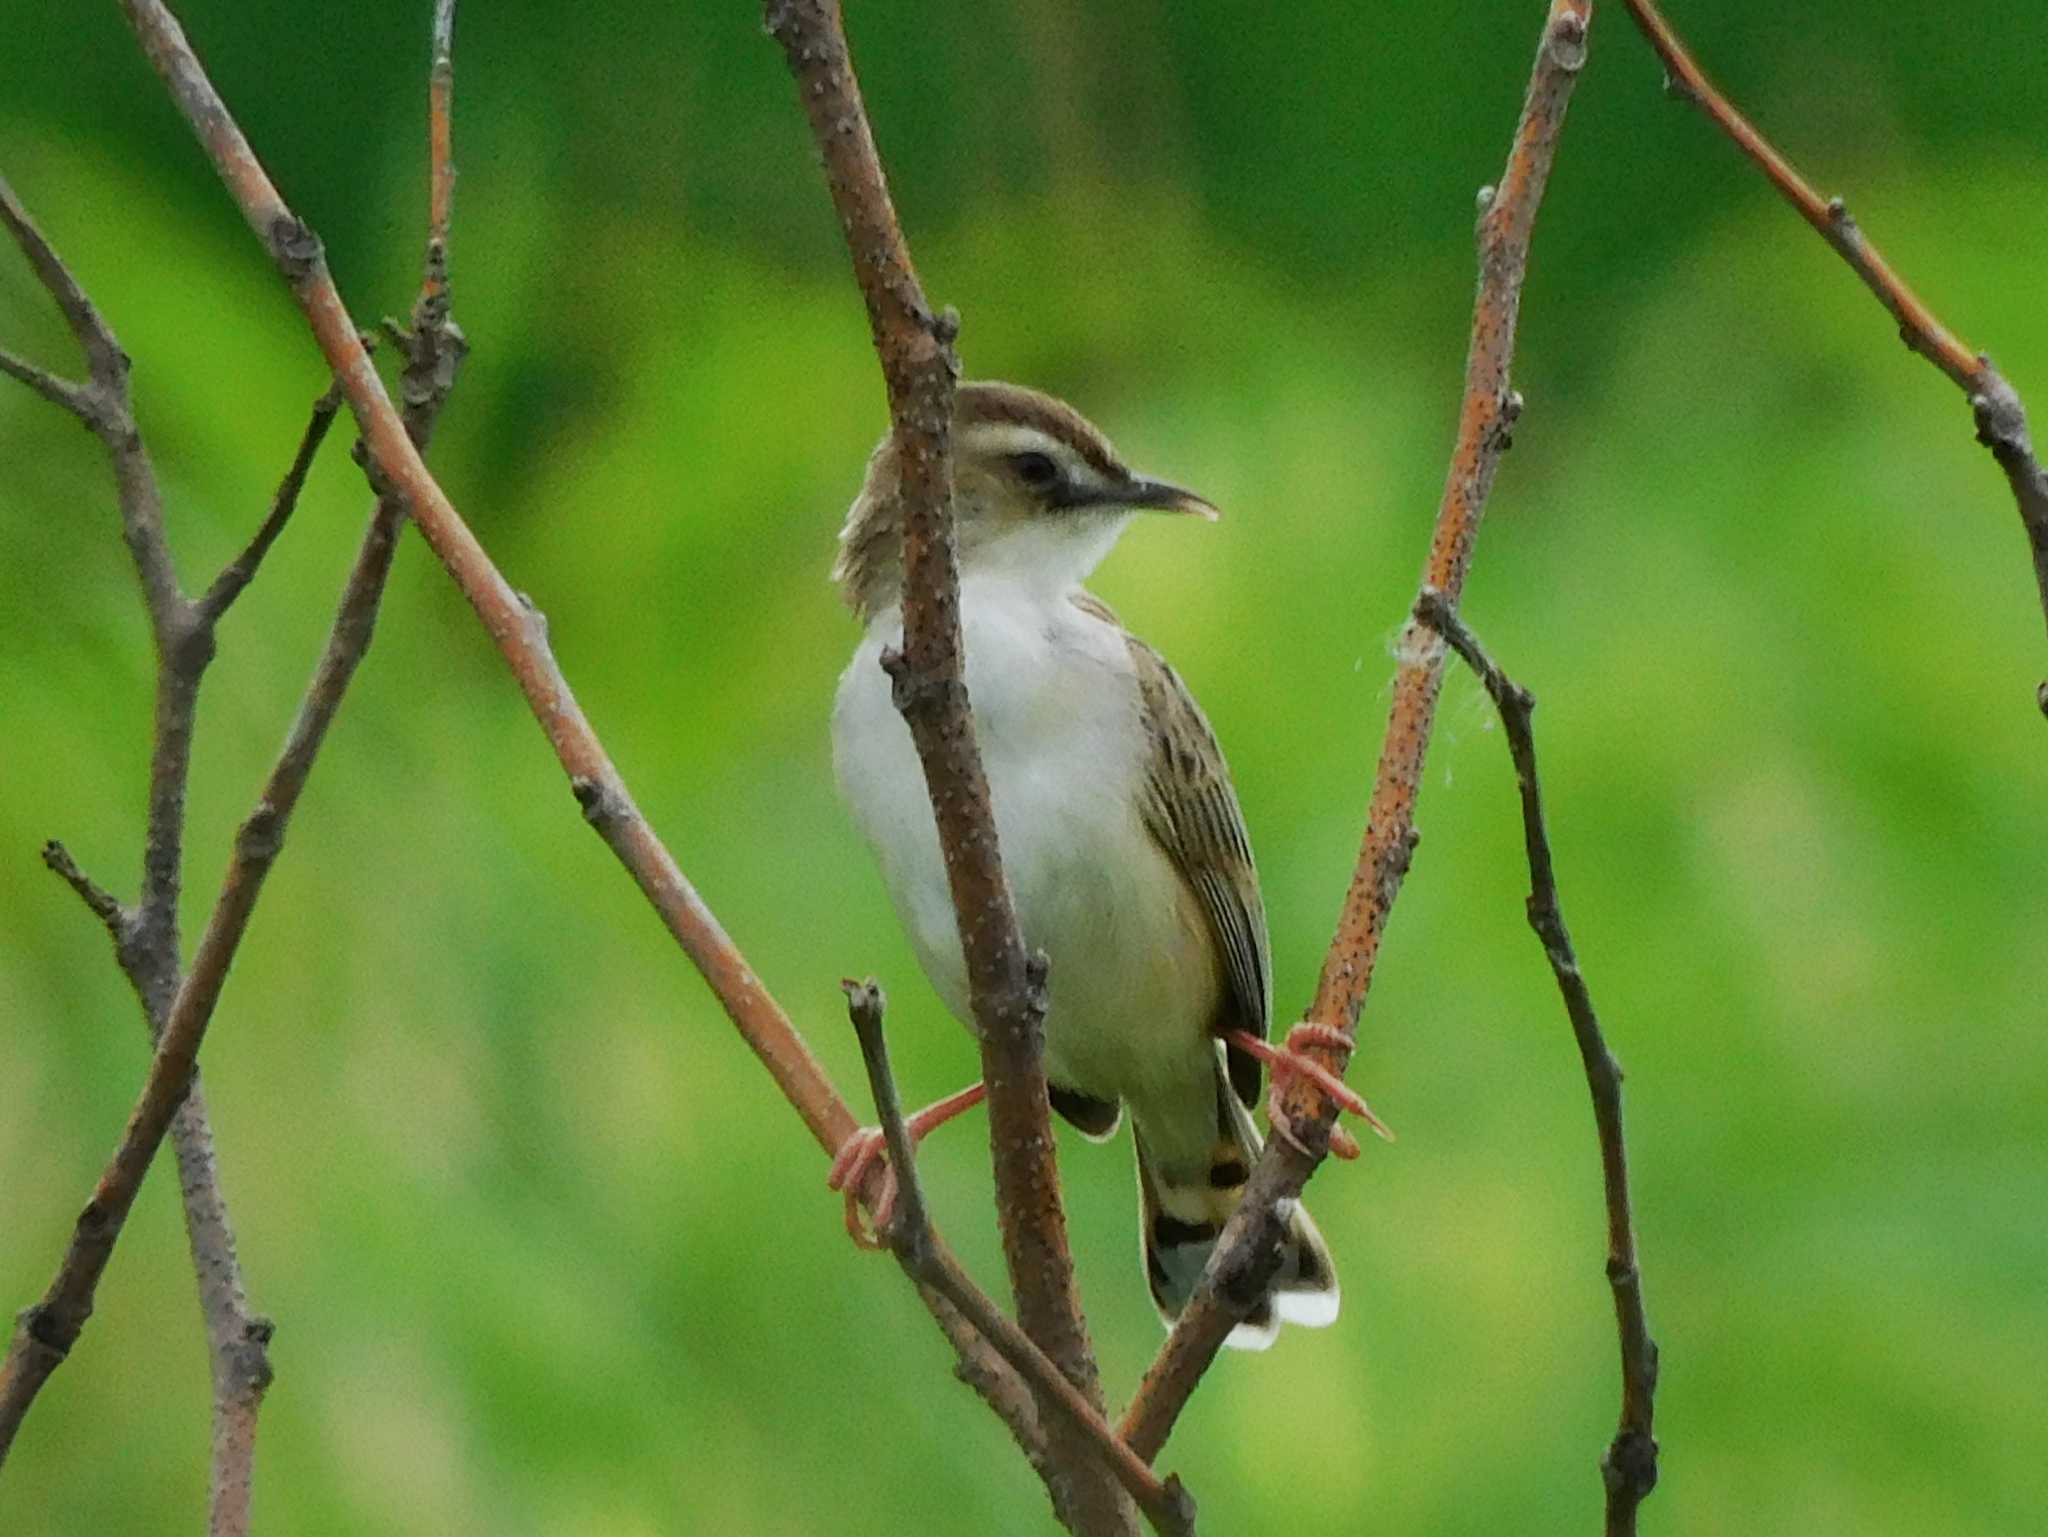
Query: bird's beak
1159, 496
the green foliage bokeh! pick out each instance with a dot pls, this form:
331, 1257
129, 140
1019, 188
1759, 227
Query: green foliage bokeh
546, 1252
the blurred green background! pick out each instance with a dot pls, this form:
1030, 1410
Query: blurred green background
546, 1252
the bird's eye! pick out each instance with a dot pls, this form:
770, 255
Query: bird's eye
1036, 470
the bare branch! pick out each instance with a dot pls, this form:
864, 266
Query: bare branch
103, 406
927, 1261
47, 1330
2000, 415
105, 361
179, 1008
514, 625
1005, 985
1629, 1468
59, 392
240, 571
104, 905
1249, 1245
440, 147
237, 1337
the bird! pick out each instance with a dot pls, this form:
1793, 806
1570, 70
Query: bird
1120, 832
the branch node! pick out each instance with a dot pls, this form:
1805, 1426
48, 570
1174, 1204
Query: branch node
1567, 41
35, 1323
260, 837
1179, 1506
1037, 967
600, 803
251, 1354
1630, 1466
536, 620
1507, 412
921, 693
381, 485
294, 247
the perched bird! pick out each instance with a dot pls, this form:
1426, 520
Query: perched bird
1121, 836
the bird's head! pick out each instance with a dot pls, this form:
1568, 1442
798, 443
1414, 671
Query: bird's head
1039, 495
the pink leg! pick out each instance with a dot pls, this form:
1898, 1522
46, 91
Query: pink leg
861, 1150
1289, 1062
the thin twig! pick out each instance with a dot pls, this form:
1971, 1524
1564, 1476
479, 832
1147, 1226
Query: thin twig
434, 349
102, 404
48, 1329
980, 1364
237, 1336
60, 392
1629, 1468
982, 1367
1249, 1245
180, 1007
103, 904
145, 937
516, 627
2000, 415
1005, 984
440, 148
926, 1260
240, 571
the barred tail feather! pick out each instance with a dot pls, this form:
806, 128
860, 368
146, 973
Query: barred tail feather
1182, 1219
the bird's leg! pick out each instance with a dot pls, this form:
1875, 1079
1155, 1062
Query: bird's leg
1290, 1061
860, 1150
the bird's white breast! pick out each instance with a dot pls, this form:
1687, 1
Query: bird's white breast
1134, 977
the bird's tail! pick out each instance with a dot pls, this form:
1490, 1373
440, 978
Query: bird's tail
1183, 1214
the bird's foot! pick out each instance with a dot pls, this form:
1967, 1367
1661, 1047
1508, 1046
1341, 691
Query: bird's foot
860, 1151
857, 1154
1290, 1061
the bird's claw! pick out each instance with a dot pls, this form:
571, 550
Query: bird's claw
850, 1166
1290, 1061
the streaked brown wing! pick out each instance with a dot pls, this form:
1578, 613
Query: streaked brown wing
1192, 810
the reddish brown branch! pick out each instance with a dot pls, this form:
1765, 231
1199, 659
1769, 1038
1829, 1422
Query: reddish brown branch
2000, 415
1250, 1243
1005, 985
440, 152
929, 1263
1629, 1469
513, 625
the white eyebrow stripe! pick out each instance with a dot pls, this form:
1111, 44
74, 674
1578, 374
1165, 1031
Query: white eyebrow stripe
1005, 439
1017, 438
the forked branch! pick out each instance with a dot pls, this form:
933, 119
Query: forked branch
1249, 1247
178, 1006
928, 1262
514, 625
